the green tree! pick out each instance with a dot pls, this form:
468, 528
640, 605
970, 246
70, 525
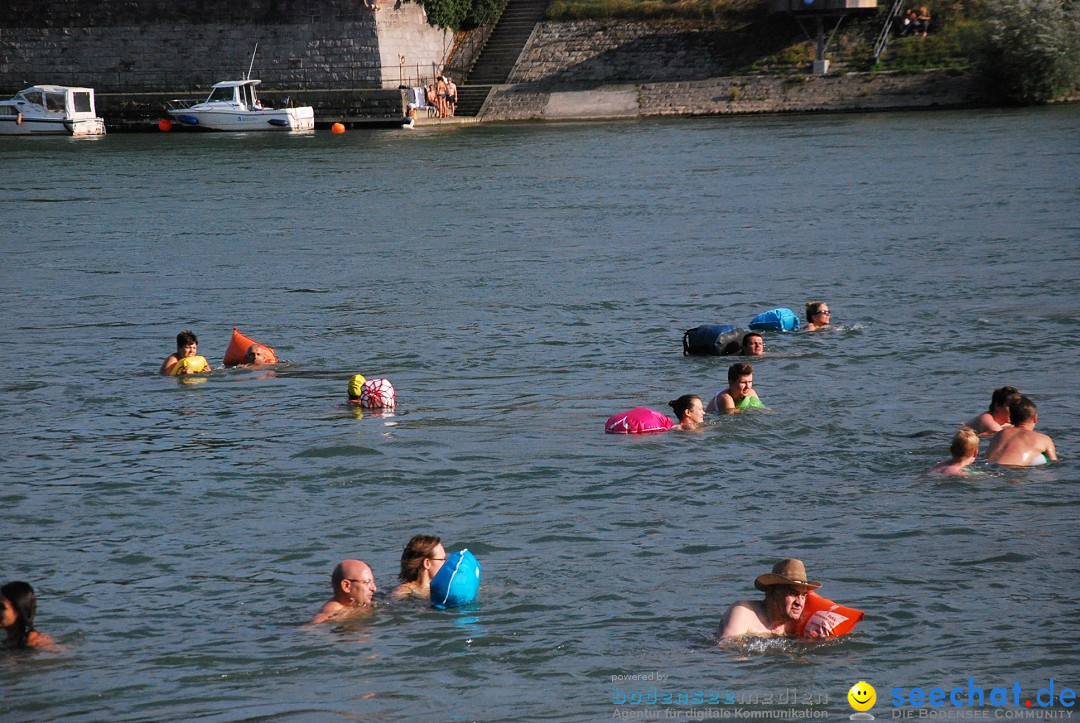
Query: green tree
1029, 50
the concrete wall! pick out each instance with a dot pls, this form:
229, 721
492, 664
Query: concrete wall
738, 94
168, 46
409, 47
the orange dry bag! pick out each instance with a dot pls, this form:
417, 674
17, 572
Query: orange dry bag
238, 347
822, 618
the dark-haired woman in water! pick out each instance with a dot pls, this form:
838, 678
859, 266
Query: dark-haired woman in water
19, 606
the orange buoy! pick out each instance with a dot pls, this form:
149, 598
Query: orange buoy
164, 125
338, 128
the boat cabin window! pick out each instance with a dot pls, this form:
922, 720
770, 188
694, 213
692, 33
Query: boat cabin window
82, 102
54, 102
8, 110
222, 94
33, 96
248, 98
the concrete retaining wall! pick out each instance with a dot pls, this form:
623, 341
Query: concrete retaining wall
738, 94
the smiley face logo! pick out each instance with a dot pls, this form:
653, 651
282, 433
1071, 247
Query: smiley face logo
862, 696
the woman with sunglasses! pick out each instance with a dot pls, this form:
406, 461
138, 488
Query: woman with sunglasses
817, 315
420, 560
18, 606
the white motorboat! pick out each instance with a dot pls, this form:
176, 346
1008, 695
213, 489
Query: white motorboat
233, 106
55, 110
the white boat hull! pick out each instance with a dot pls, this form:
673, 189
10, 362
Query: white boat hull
51, 127
279, 119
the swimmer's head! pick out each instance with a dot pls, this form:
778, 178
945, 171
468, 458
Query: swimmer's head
1021, 410
688, 406
817, 312
965, 443
356, 386
187, 344
424, 552
259, 354
739, 370
753, 344
1003, 397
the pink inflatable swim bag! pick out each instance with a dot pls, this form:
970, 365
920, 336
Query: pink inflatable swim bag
639, 420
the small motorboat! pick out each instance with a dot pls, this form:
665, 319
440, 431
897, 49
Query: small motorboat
53, 110
234, 106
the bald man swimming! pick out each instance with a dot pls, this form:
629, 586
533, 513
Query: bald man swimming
354, 585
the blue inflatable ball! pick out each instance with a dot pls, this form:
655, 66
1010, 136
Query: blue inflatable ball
457, 581
776, 320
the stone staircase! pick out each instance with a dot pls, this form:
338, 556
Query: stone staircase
500, 53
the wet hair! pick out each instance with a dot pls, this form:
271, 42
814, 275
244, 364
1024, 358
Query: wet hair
1021, 410
965, 443
420, 548
681, 405
812, 308
186, 337
22, 599
1003, 397
746, 340
737, 371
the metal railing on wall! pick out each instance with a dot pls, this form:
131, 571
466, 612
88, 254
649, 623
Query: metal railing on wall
196, 82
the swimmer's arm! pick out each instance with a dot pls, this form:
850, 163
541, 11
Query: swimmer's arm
729, 404
1051, 453
40, 640
168, 364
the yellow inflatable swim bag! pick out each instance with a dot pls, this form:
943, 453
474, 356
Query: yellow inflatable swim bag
356, 387
190, 365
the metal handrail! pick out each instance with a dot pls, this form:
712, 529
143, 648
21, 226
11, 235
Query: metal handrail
882, 38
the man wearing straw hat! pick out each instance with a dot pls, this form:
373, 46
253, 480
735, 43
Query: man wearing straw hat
785, 591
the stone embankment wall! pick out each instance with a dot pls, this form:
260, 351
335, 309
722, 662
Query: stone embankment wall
606, 51
595, 69
167, 46
736, 94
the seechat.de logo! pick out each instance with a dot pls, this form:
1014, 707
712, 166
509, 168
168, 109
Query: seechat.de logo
862, 697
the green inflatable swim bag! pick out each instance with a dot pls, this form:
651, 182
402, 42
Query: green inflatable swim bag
749, 402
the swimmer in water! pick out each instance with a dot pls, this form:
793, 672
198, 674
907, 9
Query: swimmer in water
997, 418
354, 586
187, 344
753, 344
356, 388
259, 354
785, 591
818, 315
690, 410
19, 606
421, 559
739, 395
964, 449
1020, 445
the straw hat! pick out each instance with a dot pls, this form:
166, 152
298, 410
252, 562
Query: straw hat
785, 572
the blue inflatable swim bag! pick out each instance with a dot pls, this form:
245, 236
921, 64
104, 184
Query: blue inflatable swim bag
457, 581
712, 340
776, 320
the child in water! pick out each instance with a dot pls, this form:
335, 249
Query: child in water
964, 448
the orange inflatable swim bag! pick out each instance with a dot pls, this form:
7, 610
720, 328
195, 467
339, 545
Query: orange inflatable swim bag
238, 349
822, 618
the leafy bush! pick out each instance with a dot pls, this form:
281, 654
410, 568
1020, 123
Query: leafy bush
461, 14
1029, 50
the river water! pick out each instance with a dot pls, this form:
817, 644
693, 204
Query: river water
519, 284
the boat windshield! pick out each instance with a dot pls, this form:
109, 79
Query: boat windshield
226, 94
